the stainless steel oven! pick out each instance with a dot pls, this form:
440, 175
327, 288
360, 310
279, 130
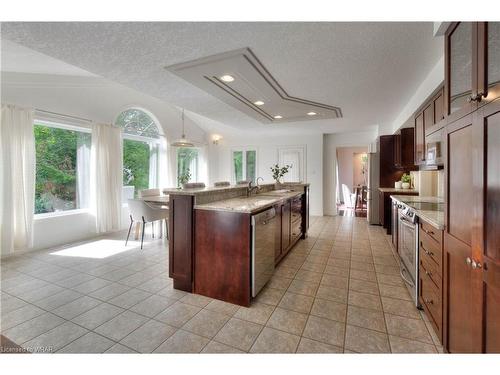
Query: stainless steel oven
408, 249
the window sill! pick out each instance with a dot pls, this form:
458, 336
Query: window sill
49, 215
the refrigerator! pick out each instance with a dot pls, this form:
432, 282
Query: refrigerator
372, 213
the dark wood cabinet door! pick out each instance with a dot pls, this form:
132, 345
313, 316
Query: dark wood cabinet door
277, 249
462, 323
438, 107
487, 182
429, 116
285, 225
419, 139
407, 149
460, 68
381, 208
397, 151
488, 65
395, 223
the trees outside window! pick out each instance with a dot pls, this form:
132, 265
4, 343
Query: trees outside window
244, 165
187, 159
140, 151
62, 168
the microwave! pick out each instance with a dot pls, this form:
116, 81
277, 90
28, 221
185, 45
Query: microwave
434, 149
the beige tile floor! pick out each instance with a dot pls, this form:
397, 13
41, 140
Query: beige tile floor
338, 291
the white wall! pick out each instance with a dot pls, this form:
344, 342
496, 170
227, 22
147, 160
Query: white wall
330, 144
267, 155
92, 98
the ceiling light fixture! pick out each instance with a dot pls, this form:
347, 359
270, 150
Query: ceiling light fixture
277, 117
183, 142
259, 102
311, 113
227, 78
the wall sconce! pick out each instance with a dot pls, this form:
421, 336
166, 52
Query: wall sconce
216, 138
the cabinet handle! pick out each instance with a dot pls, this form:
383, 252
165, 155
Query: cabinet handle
429, 301
475, 98
476, 265
429, 253
468, 261
429, 232
428, 273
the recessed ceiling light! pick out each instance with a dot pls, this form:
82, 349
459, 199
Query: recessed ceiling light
227, 78
311, 113
277, 117
258, 102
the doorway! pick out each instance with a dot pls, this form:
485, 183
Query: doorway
352, 181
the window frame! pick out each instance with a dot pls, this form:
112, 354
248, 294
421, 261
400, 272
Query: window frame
152, 142
244, 150
198, 151
63, 126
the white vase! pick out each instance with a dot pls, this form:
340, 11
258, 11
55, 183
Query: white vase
405, 185
398, 185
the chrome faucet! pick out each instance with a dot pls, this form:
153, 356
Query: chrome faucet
252, 188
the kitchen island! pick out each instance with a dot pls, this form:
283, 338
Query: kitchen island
212, 237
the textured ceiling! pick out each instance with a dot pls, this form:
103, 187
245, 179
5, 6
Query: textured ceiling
370, 70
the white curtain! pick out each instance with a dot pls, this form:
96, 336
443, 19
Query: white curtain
17, 175
203, 165
106, 176
164, 168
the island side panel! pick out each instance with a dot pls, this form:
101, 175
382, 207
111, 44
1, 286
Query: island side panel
181, 241
222, 261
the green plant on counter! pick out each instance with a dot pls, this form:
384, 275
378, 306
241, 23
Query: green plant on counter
184, 177
279, 172
406, 178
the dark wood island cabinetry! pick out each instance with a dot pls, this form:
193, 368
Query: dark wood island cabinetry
210, 247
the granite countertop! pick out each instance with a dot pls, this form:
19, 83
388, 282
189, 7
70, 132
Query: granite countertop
222, 189
433, 217
248, 205
394, 190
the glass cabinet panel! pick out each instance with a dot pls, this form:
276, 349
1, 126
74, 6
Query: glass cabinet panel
493, 53
460, 44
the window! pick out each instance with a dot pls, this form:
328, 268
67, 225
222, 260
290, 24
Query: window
140, 151
187, 162
62, 167
244, 165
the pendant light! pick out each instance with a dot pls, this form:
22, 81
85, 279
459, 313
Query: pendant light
183, 142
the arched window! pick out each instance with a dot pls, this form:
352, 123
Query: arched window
141, 150
137, 122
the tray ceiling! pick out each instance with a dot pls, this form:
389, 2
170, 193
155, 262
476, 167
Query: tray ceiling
239, 79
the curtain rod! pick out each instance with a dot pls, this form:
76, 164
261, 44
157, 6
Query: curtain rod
63, 115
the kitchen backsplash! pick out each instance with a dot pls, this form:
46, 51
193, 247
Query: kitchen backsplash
430, 183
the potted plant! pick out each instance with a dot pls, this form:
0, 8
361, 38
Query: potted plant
184, 178
279, 172
406, 180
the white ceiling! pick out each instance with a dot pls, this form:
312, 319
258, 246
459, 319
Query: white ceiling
16, 58
370, 70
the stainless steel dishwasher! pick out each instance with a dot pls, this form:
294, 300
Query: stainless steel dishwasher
263, 240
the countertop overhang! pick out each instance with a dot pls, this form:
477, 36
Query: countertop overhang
249, 205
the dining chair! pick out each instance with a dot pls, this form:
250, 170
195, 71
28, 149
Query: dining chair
222, 183
349, 198
142, 211
149, 193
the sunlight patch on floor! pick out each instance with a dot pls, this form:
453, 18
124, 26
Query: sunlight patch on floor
98, 249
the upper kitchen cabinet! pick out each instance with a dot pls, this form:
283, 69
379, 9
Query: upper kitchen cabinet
488, 61
472, 75
428, 122
404, 143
